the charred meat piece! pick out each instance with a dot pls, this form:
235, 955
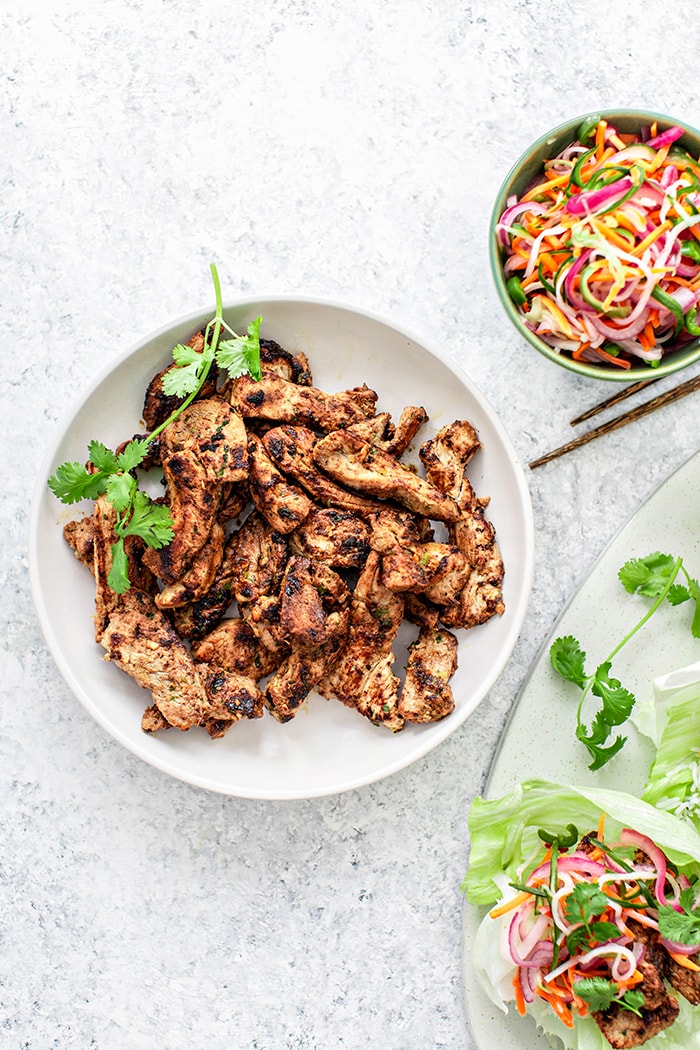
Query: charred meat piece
199, 575
234, 500
282, 504
314, 615
274, 398
231, 697
337, 537
193, 500
426, 695
79, 535
291, 448
141, 641
263, 617
314, 605
374, 429
439, 570
624, 1029
255, 558
233, 647
412, 418
447, 455
417, 609
365, 468
157, 405
684, 980
445, 458
213, 432
103, 539
293, 368
362, 676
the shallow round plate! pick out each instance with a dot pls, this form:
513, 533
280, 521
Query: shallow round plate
327, 748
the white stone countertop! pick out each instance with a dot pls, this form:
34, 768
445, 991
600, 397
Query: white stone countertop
349, 151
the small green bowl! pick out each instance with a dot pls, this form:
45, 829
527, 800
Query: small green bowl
518, 179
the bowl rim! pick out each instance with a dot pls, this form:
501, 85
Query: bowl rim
674, 363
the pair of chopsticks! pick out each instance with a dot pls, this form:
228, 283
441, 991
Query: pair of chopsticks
667, 398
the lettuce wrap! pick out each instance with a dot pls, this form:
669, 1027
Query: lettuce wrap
505, 844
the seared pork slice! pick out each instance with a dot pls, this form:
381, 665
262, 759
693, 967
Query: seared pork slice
158, 405
418, 610
79, 535
337, 537
362, 677
231, 697
233, 647
234, 500
292, 367
374, 429
274, 398
447, 455
365, 468
314, 605
103, 538
281, 503
291, 684
426, 695
624, 1029
255, 558
684, 980
197, 579
193, 500
314, 616
215, 433
291, 448
263, 617
140, 640
412, 418
445, 458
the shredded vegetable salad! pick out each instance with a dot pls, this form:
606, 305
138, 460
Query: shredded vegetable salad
602, 253
581, 928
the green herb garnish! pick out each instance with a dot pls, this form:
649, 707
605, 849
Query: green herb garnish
112, 475
653, 577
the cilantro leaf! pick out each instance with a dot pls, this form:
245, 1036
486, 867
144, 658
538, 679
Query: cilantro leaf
151, 521
649, 575
72, 482
241, 354
598, 992
101, 457
681, 926
568, 659
184, 380
585, 901
120, 490
118, 578
133, 455
617, 701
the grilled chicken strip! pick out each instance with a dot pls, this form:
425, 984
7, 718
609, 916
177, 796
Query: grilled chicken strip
158, 405
291, 448
426, 695
199, 576
273, 398
213, 432
412, 418
231, 697
103, 538
282, 504
314, 616
439, 570
233, 647
336, 537
193, 500
363, 467
140, 640
445, 458
362, 675
292, 367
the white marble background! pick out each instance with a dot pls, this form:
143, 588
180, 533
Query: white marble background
343, 150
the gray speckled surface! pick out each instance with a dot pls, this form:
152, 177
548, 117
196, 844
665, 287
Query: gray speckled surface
349, 151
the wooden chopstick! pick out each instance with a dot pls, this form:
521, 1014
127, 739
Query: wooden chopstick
638, 412
625, 392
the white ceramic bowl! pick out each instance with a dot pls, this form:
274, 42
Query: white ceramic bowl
327, 748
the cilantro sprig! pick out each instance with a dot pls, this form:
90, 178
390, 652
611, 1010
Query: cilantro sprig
657, 576
682, 926
113, 474
601, 993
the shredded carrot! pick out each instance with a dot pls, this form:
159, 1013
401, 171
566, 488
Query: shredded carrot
509, 905
520, 1004
683, 960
